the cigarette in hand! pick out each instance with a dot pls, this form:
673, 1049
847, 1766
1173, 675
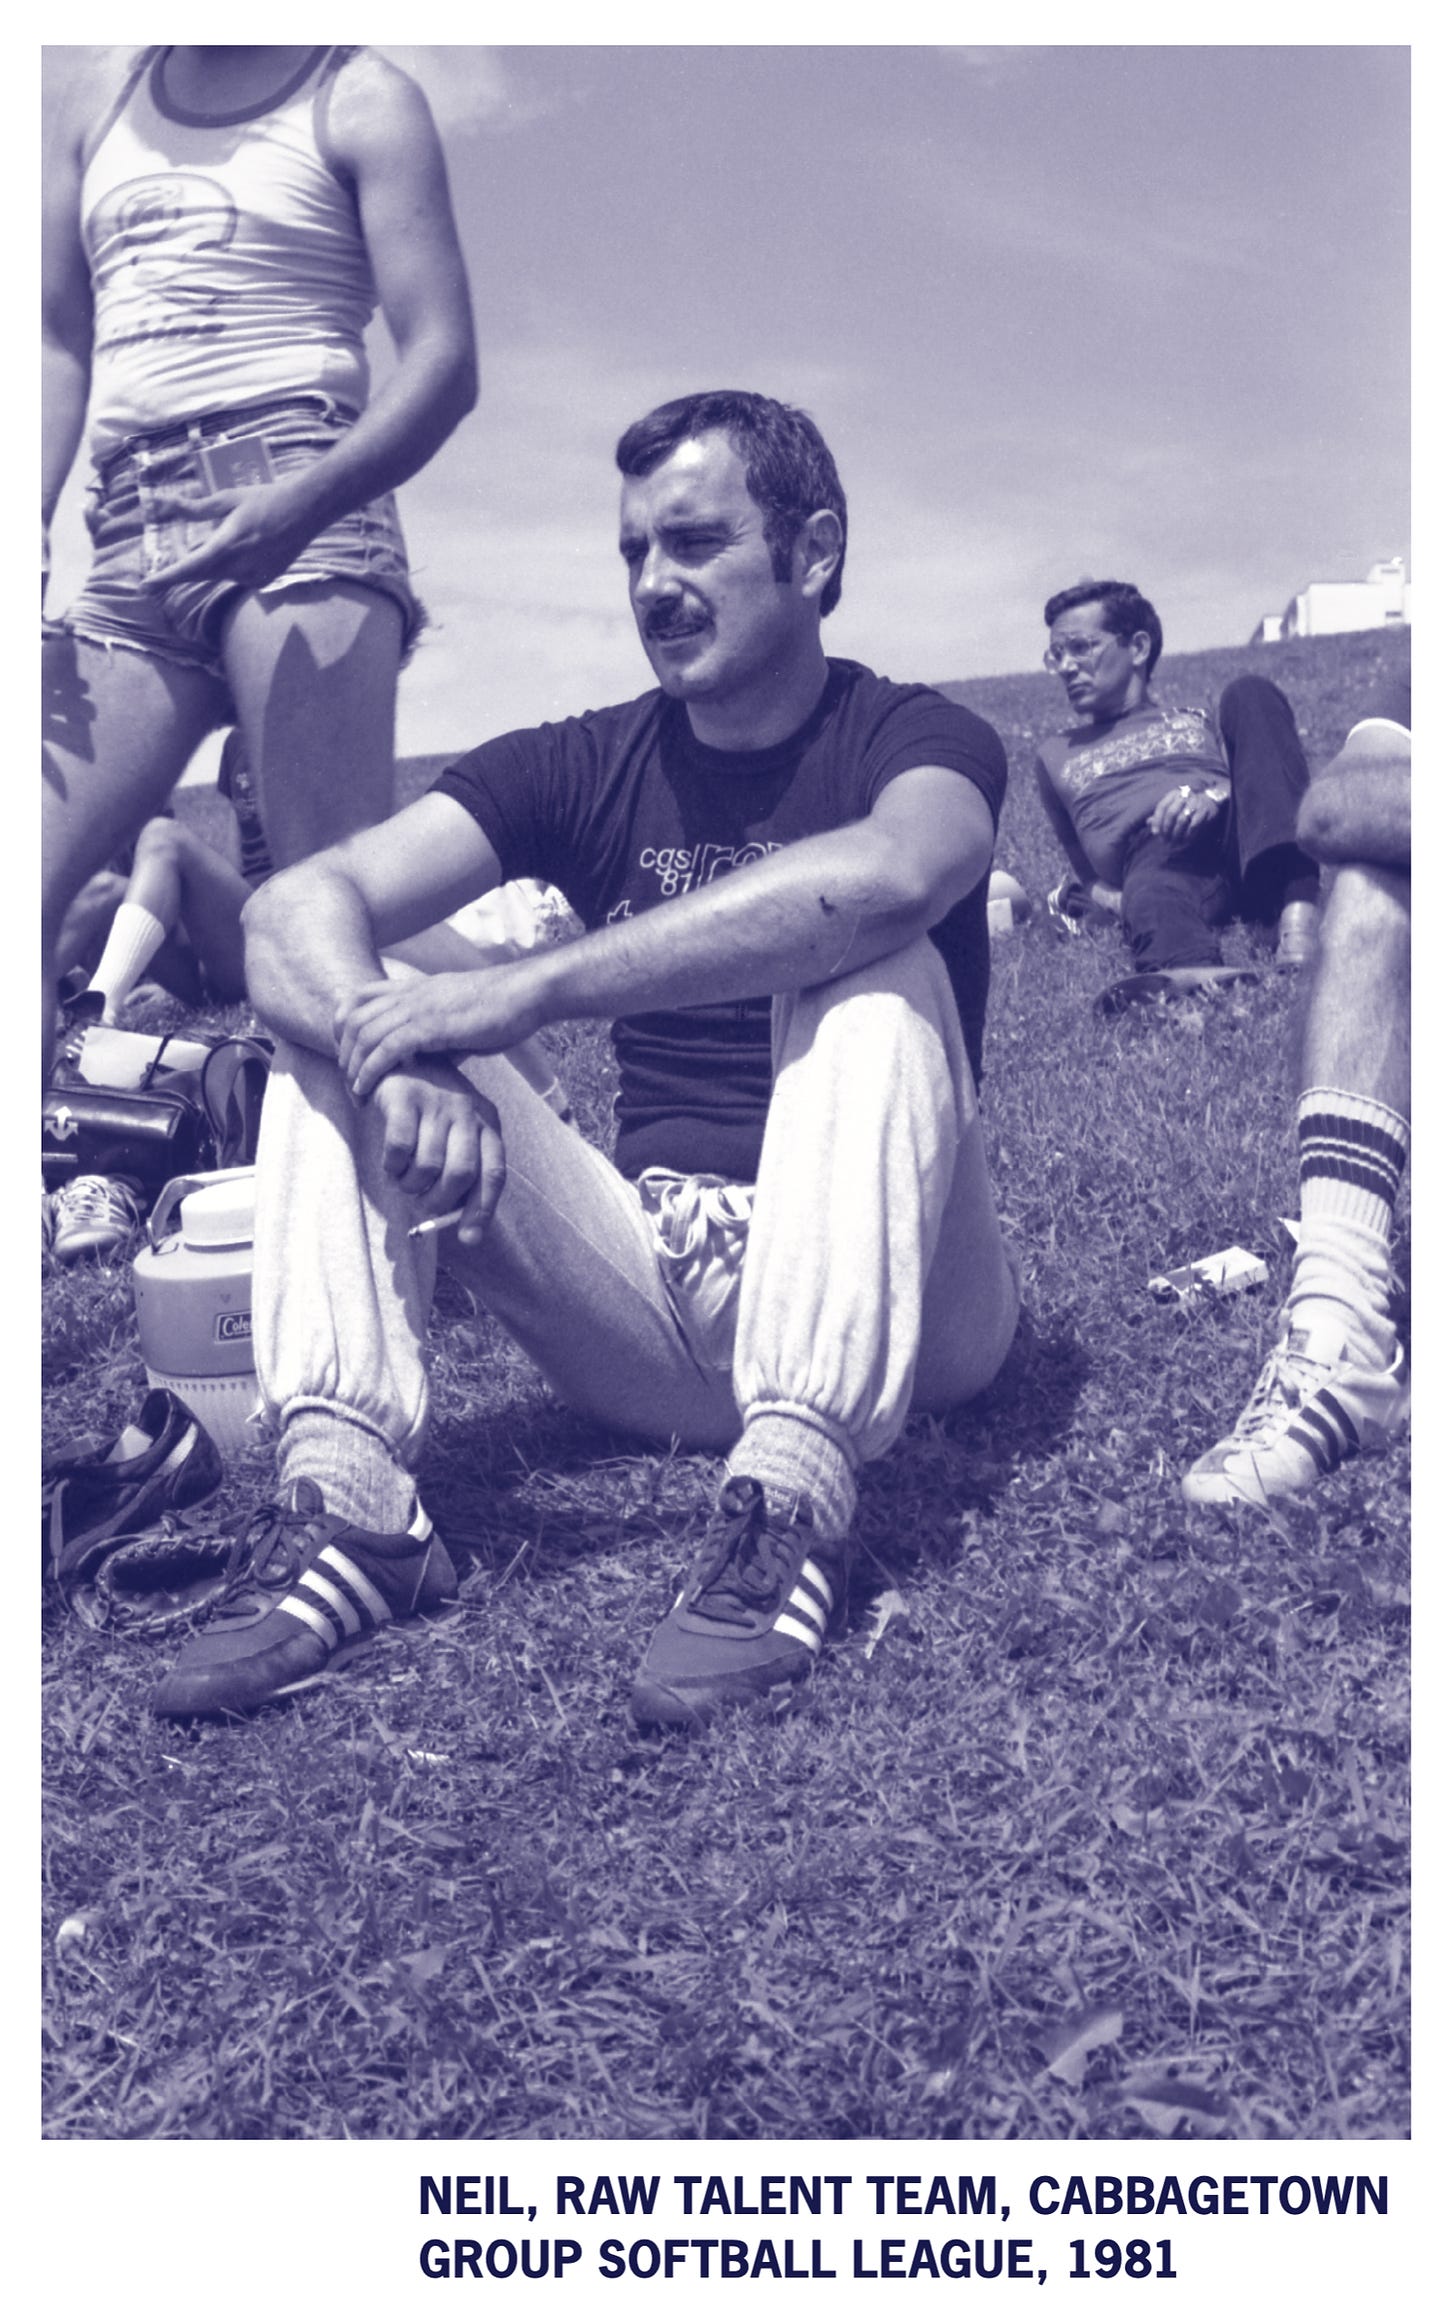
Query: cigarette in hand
435, 1224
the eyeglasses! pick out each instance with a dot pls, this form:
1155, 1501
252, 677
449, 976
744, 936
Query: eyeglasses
1079, 651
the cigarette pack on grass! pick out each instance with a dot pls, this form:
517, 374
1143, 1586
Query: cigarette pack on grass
1219, 1276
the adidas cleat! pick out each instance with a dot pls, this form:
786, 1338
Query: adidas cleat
752, 1616
1311, 1410
304, 1588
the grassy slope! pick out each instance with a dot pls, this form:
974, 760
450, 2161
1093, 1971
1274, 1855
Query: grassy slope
1102, 1753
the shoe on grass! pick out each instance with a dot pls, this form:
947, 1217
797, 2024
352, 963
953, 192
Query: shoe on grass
1298, 939
93, 1496
1152, 984
752, 1615
92, 1216
1313, 1407
304, 1588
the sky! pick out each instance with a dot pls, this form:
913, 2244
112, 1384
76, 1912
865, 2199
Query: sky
1138, 312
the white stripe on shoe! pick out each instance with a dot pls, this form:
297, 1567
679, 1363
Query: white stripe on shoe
787, 1625
324, 1623
354, 1580
814, 1599
336, 1600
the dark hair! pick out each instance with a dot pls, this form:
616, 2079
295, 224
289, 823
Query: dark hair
789, 467
1124, 609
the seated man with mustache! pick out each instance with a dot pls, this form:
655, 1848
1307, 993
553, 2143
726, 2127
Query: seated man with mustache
781, 861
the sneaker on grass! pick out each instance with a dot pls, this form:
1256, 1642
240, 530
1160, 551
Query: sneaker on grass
305, 1588
751, 1617
1297, 940
92, 1216
1152, 985
1313, 1408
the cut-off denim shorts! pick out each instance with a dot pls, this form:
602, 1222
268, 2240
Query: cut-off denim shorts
117, 606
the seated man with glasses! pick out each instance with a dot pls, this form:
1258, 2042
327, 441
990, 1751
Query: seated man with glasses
1189, 814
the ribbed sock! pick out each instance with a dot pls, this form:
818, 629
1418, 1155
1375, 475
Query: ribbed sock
793, 1456
136, 935
1352, 1151
352, 1466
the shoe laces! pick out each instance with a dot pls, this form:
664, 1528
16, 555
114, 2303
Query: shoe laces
270, 1549
1285, 1383
93, 1201
742, 1563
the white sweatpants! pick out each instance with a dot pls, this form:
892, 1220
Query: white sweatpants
872, 1274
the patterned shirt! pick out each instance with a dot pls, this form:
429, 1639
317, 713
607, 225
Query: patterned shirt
1110, 774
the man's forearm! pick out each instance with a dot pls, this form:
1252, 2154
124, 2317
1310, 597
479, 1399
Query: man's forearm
65, 383
308, 947
402, 428
816, 909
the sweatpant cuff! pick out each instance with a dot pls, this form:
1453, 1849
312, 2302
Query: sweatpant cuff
794, 1452
355, 1468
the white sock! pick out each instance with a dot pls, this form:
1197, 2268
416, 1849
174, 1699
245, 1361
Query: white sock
1352, 1153
136, 935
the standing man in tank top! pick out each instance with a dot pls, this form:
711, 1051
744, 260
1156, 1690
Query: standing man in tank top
220, 224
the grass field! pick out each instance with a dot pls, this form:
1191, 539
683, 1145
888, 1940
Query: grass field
1094, 1825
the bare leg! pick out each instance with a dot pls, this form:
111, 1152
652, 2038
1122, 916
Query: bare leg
83, 929
179, 885
1357, 1030
313, 675
119, 728
1336, 1381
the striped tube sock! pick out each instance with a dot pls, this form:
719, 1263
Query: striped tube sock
1352, 1151
353, 1467
136, 935
794, 1455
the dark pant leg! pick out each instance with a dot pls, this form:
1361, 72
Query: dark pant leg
1270, 774
1173, 896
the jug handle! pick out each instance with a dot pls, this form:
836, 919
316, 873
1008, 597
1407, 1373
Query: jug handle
175, 1192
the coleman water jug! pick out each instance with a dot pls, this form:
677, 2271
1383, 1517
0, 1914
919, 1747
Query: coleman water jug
193, 1291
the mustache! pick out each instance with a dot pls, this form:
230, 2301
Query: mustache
680, 621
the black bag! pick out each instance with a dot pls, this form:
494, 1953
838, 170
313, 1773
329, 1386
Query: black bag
145, 1135
174, 1124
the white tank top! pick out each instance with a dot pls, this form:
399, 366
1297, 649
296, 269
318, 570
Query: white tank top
227, 262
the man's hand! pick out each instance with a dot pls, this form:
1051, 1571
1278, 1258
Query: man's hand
442, 1143
261, 530
480, 1012
1179, 813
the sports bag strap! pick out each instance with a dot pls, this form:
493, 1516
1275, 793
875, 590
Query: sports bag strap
231, 1085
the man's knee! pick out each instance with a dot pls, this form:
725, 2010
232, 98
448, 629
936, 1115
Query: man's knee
910, 983
1247, 697
1367, 911
915, 968
1353, 818
164, 840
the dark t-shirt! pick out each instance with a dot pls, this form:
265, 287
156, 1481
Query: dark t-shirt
623, 809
